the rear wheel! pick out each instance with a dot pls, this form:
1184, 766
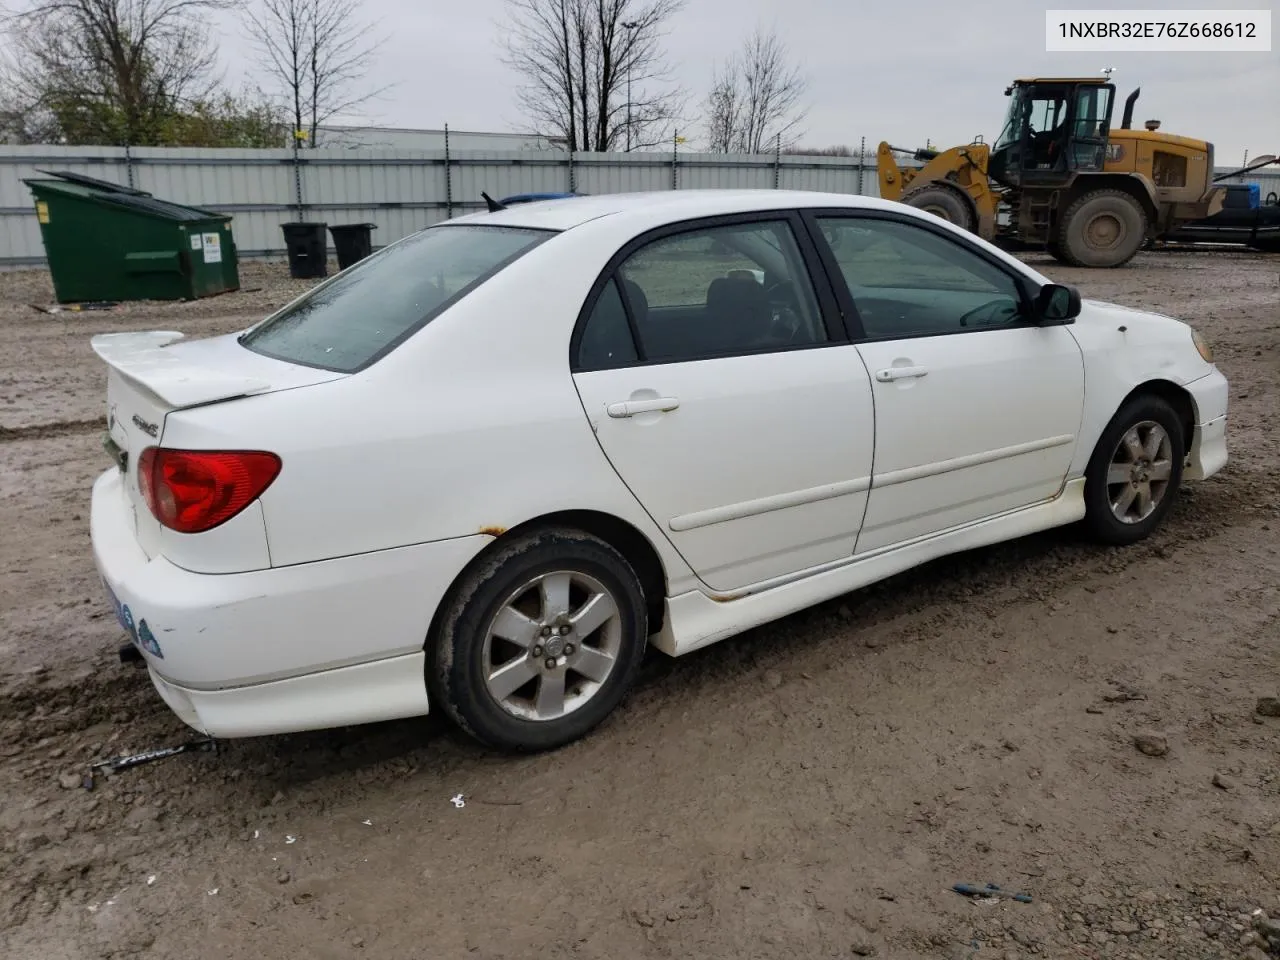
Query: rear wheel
943, 202
540, 642
1104, 228
1135, 472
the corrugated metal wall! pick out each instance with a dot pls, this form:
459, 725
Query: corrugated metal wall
398, 190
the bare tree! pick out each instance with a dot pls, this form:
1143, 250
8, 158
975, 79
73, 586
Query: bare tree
316, 53
104, 71
755, 98
724, 110
593, 71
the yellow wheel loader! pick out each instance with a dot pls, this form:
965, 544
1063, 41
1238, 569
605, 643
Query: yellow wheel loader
1059, 178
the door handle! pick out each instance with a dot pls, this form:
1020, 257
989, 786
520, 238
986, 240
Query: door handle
890, 374
629, 408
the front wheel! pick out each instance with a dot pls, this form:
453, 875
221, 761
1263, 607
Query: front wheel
541, 642
1104, 228
1133, 477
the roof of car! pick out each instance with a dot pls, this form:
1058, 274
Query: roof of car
664, 204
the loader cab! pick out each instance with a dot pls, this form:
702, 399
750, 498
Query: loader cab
1053, 130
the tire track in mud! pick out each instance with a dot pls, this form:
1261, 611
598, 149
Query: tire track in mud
50, 431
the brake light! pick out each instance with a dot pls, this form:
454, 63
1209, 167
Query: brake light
191, 491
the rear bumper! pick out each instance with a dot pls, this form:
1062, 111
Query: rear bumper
366, 693
1207, 453
308, 646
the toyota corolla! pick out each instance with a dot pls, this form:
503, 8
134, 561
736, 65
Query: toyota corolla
486, 468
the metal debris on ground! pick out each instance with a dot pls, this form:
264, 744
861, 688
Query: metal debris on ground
988, 894
75, 307
459, 801
135, 759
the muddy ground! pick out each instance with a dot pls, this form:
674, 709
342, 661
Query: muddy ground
810, 789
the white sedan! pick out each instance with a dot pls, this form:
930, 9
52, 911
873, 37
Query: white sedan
483, 469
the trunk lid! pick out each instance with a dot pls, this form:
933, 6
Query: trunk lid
153, 373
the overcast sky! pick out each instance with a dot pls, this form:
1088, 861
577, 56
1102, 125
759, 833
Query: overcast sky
897, 71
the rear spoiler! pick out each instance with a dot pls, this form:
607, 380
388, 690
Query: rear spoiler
142, 359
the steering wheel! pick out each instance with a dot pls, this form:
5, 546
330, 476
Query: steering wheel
990, 306
784, 303
782, 293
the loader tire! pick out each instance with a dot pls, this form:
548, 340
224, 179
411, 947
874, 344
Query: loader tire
1104, 228
942, 202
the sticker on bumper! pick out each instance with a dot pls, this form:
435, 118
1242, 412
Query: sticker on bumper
139, 633
147, 640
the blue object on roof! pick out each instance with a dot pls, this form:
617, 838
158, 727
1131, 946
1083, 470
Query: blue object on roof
535, 197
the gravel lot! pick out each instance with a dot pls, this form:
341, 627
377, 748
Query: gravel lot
811, 789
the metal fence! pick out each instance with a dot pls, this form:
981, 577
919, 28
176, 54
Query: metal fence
398, 190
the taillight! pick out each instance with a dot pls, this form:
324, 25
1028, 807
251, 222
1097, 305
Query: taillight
191, 491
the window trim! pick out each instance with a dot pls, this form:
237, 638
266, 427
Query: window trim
399, 340
598, 291
1024, 285
825, 295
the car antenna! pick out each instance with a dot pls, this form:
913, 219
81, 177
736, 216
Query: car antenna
493, 205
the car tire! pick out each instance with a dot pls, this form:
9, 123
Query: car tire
944, 202
1119, 477
1115, 214
527, 614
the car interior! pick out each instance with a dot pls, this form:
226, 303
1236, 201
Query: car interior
739, 314
904, 283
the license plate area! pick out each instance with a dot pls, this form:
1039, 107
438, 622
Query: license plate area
119, 456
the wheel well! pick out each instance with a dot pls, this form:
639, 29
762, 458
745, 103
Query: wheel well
1176, 397
619, 534
1091, 183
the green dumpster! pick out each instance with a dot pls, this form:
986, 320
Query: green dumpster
108, 242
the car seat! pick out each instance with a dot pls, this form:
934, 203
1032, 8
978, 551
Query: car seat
738, 314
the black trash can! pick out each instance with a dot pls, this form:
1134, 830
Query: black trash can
353, 242
308, 250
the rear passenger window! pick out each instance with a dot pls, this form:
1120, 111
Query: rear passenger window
606, 339
721, 291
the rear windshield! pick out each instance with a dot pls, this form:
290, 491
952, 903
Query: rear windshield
350, 321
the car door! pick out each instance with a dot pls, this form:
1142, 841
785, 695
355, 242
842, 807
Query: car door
721, 386
977, 408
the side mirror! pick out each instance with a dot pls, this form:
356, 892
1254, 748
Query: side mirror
1057, 303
